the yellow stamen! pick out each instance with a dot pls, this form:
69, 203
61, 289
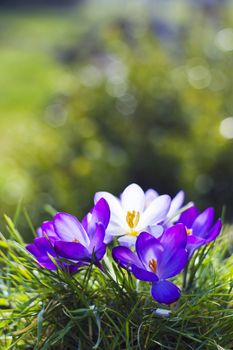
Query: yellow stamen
189, 231
132, 218
133, 233
153, 265
76, 240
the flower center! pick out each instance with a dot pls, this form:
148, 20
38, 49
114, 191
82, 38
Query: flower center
189, 231
132, 218
153, 265
76, 240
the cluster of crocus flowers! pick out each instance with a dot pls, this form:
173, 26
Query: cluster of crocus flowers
153, 235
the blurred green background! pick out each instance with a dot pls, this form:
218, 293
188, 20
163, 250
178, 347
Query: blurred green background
96, 95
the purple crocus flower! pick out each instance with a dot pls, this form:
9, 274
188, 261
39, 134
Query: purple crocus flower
66, 237
156, 260
82, 241
200, 227
42, 248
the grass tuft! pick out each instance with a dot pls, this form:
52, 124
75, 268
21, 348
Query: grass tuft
42, 309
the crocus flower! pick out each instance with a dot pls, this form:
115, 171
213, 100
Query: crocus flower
157, 260
42, 248
130, 214
200, 227
66, 237
175, 206
82, 241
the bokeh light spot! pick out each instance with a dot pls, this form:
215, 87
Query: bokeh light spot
224, 39
226, 128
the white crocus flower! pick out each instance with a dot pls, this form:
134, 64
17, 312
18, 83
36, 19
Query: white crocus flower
131, 214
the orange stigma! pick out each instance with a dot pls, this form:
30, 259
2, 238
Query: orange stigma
189, 231
76, 240
153, 265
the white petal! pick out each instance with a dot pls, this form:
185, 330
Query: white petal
150, 195
156, 230
127, 240
133, 198
114, 229
156, 212
117, 214
176, 204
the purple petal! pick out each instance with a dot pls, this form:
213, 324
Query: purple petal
143, 274
117, 214
171, 267
188, 216
174, 237
71, 250
193, 243
45, 245
203, 223
47, 228
214, 232
68, 228
39, 232
85, 221
74, 268
124, 257
34, 250
165, 292
46, 263
97, 245
148, 248
101, 212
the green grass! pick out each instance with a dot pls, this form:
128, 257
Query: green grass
43, 309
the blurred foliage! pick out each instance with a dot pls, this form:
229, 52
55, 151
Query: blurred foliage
93, 102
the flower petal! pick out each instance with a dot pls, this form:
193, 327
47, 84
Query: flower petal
47, 229
156, 230
124, 257
46, 263
150, 195
165, 292
101, 212
133, 198
32, 248
214, 232
45, 245
174, 237
97, 246
188, 216
71, 250
156, 212
144, 275
172, 264
203, 223
176, 204
148, 248
193, 243
127, 240
68, 228
117, 214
